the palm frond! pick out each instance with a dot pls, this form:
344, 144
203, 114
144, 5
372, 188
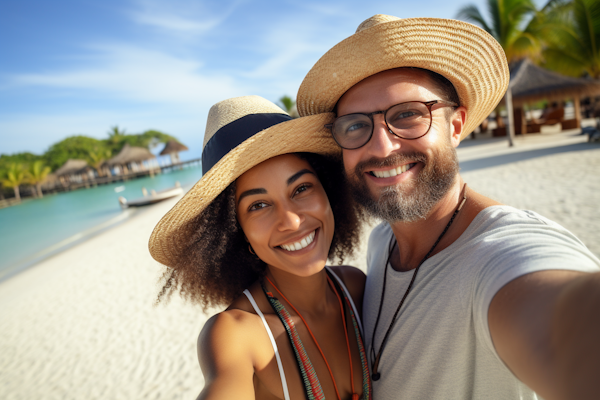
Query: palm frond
471, 13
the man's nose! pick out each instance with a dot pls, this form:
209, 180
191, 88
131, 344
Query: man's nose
383, 142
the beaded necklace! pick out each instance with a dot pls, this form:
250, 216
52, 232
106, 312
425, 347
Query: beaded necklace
376, 357
312, 386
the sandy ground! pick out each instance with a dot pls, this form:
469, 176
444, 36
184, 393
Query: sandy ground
81, 325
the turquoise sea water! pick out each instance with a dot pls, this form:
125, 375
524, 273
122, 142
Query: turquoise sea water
38, 227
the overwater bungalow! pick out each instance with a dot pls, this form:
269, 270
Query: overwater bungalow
132, 159
74, 171
172, 148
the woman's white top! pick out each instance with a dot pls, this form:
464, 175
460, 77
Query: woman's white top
286, 394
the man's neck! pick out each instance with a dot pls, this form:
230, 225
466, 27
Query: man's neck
415, 239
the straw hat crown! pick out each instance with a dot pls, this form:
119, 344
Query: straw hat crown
469, 57
227, 111
375, 20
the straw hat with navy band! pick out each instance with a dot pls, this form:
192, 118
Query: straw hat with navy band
240, 133
466, 55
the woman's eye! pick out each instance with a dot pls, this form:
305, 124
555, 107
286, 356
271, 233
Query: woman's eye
257, 206
302, 188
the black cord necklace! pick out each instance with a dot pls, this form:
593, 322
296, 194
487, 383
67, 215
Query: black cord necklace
374, 367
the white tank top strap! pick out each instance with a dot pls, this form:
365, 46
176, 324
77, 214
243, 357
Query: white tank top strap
286, 394
356, 314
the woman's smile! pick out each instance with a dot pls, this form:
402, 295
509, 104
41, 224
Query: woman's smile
301, 244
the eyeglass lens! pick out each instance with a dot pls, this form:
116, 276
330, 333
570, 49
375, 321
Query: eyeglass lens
406, 120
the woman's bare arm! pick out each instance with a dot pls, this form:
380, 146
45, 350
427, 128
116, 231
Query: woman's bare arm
226, 358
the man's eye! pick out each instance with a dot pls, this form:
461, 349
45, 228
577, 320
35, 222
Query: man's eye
406, 114
356, 126
257, 206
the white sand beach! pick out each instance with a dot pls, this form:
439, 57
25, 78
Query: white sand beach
82, 325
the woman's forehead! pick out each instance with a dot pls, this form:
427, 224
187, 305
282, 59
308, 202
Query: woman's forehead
275, 169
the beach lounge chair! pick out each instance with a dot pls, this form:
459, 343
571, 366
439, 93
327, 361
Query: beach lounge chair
551, 116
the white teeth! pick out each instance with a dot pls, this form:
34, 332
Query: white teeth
300, 244
392, 172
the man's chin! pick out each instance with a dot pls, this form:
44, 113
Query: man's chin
407, 201
393, 207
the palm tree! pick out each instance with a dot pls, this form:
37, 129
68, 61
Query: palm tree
515, 24
116, 137
97, 157
14, 177
37, 174
574, 48
289, 105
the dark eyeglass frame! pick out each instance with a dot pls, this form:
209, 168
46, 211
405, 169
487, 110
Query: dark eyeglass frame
428, 104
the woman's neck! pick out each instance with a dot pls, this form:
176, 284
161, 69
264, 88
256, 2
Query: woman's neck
310, 294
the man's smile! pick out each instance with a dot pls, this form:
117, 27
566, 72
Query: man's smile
392, 172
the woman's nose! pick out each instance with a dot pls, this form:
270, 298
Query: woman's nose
290, 219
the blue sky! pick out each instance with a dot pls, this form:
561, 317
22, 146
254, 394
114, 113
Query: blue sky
80, 66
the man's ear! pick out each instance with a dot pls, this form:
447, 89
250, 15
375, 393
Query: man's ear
457, 125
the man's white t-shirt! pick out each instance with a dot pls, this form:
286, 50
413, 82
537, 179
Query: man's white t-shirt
440, 345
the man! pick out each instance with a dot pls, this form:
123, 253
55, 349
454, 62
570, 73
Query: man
465, 298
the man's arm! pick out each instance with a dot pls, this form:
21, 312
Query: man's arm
225, 359
546, 328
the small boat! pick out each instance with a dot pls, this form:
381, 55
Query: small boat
153, 197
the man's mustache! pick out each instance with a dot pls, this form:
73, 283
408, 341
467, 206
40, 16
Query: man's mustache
390, 161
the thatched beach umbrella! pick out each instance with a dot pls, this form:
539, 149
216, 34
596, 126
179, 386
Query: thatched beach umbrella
172, 148
530, 83
131, 155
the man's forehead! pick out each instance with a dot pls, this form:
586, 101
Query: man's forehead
415, 83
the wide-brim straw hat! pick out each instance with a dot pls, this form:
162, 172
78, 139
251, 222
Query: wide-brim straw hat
240, 133
463, 53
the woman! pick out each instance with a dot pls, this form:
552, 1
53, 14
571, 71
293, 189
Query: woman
261, 222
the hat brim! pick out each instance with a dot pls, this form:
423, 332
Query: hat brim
306, 134
463, 53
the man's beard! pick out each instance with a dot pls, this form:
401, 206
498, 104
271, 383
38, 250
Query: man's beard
394, 204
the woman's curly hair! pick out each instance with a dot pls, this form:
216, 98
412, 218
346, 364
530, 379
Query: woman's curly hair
216, 265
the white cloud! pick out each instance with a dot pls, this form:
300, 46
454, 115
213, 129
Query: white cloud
127, 72
180, 16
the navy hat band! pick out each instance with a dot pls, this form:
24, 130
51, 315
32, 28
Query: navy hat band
234, 133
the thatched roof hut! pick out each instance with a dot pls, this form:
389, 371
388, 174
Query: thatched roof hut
173, 146
129, 154
72, 167
530, 83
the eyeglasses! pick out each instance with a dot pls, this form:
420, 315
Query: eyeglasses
410, 120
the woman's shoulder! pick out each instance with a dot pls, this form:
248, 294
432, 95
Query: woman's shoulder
239, 315
234, 333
